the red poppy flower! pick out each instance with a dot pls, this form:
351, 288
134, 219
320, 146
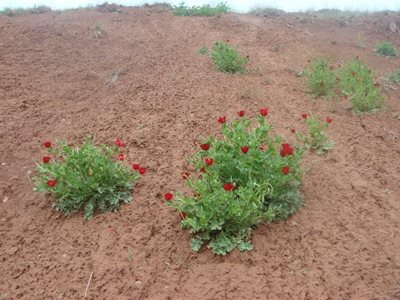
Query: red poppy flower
202, 169
185, 175
286, 150
262, 148
120, 156
119, 143
241, 113
182, 215
47, 144
329, 120
228, 187
46, 159
136, 167
222, 120
142, 171
292, 130
205, 147
51, 183
285, 170
168, 196
208, 161
304, 115
245, 149
377, 84
264, 112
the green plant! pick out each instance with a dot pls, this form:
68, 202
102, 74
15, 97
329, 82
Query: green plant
385, 49
87, 177
227, 59
357, 81
203, 51
316, 138
240, 180
393, 77
321, 78
205, 10
266, 11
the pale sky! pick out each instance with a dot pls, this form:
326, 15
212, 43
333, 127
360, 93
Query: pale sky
236, 5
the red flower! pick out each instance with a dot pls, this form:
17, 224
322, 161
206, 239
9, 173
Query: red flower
228, 187
47, 144
245, 149
222, 120
120, 156
285, 170
241, 113
185, 175
293, 130
262, 148
136, 167
329, 120
353, 74
168, 196
202, 169
182, 215
208, 161
264, 112
119, 143
377, 84
142, 171
205, 147
304, 115
46, 159
51, 183
286, 150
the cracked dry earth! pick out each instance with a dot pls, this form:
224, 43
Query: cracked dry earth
137, 75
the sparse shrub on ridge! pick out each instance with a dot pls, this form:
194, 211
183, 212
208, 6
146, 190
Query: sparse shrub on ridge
227, 59
385, 49
88, 177
321, 78
205, 10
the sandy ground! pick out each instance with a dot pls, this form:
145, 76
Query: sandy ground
142, 80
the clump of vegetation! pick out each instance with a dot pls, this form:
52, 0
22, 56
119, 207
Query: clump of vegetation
316, 138
205, 10
227, 59
357, 81
240, 180
203, 51
41, 9
393, 77
385, 49
266, 11
321, 78
88, 177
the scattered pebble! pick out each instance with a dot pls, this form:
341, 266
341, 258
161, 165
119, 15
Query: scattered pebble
5, 199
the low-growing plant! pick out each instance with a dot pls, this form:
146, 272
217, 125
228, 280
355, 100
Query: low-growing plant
393, 77
88, 177
227, 59
321, 77
240, 180
266, 11
385, 49
203, 51
357, 81
205, 10
316, 138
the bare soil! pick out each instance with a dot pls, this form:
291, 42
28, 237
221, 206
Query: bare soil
135, 73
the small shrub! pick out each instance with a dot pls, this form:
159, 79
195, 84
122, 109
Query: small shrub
204, 10
87, 177
240, 180
266, 11
357, 81
385, 49
227, 59
321, 78
316, 139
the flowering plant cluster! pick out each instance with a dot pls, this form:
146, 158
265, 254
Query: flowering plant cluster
238, 181
316, 138
321, 78
87, 177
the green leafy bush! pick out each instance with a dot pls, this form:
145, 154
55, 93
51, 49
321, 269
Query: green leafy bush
205, 10
316, 139
321, 78
385, 49
357, 81
240, 180
227, 59
87, 177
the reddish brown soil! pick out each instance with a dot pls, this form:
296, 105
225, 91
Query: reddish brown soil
58, 81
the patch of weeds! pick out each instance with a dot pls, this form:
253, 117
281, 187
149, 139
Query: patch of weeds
240, 180
88, 177
203, 51
316, 139
393, 77
357, 81
266, 11
205, 10
321, 77
385, 49
227, 59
